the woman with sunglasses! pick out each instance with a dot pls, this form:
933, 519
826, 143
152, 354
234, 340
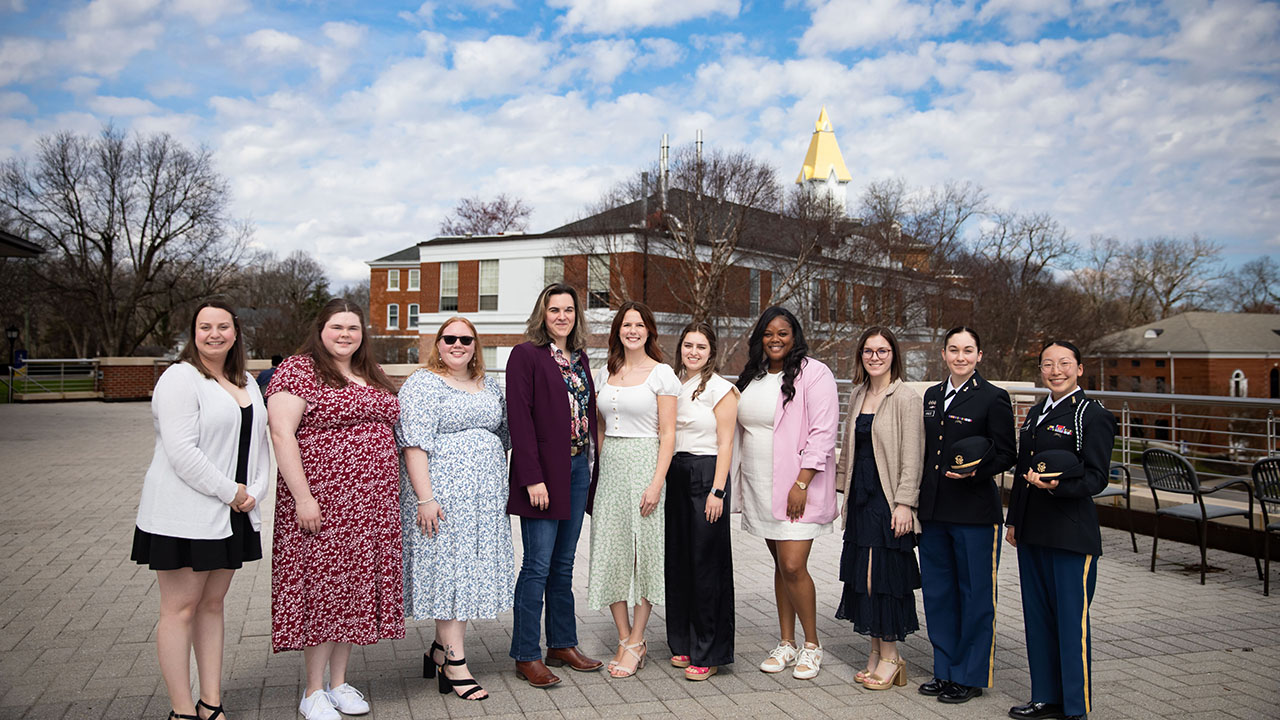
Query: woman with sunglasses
880, 459
787, 419
960, 517
1053, 523
458, 558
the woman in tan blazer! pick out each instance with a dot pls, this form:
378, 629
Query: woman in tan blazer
879, 467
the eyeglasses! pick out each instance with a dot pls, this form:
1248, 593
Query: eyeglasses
1064, 365
881, 353
453, 339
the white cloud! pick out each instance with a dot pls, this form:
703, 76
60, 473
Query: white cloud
171, 88
122, 106
345, 34
16, 103
81, 84
849, 24
611, 16
274, 42
20, 59
207, 12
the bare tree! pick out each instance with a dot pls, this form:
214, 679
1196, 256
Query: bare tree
136, 228
476, 216
1017, 300
278, 301
1254, 287
1174, 274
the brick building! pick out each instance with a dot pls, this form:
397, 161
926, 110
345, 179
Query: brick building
626, 253
1195, 353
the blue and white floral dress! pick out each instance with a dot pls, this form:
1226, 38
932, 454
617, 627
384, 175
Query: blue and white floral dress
468, 569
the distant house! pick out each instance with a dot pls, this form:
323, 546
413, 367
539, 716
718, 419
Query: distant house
1195, 353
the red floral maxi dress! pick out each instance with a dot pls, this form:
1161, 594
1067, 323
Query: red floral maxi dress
344, 583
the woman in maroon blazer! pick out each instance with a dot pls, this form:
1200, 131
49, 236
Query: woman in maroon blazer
551, 413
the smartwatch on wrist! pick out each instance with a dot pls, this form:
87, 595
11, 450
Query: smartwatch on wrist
718, 492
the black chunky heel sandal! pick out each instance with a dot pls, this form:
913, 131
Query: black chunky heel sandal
429, 660
447, 684
216, 710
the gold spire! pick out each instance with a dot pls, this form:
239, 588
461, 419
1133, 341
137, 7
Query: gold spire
824, 154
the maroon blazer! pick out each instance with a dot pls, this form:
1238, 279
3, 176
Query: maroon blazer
538, 419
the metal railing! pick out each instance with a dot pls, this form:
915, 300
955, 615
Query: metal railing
53, 375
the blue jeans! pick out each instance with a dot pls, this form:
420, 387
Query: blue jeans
547, 569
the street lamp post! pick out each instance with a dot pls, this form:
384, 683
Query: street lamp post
11, 334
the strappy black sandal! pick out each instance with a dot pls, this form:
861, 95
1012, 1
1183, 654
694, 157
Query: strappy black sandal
429, 660
217, 711
173, 715
447, 684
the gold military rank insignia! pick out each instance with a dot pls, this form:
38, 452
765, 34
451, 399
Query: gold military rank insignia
959, 459
1040, 468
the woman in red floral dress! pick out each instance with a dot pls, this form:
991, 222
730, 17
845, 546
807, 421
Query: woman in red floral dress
336, 573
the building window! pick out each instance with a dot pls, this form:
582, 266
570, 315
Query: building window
393, 316
1112, 363
1275, 383
598, 281
448, 287
490, 357
1136, 363
753, 294
413, 354
552, 270
1136, 383
393, 279
1159, 363
414, 279
1161, 387
488, 284
1113, 382
413, 316
815, 300
1239, 384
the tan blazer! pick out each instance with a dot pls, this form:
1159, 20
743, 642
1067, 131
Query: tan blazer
897, 441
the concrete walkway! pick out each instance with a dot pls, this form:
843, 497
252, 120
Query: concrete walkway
77, 620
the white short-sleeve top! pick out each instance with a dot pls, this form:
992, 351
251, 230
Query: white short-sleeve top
696, 418
633, 411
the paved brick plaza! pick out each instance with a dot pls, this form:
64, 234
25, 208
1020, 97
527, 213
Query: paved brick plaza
77, 620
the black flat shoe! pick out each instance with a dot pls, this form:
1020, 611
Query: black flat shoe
447, 684
1037, 711
956, 694
933, 688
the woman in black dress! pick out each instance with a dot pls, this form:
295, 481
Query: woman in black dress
198, 518
881, 460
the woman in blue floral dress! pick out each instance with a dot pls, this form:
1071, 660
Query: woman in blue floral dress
458, 558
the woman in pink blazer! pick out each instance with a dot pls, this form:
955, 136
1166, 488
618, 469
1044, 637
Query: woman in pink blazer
787, 418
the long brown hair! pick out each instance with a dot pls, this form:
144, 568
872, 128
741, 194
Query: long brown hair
896, 365
436, 365
713, 358
362, 362
536, 328
233, 368
617, 353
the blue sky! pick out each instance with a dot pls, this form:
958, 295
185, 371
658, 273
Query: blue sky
351, 128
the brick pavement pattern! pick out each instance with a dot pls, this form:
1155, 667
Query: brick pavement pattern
77, 621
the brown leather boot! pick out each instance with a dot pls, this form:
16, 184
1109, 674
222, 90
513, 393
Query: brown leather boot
574, 659
536, 673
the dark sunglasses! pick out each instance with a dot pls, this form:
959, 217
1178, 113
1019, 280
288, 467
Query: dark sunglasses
452, 339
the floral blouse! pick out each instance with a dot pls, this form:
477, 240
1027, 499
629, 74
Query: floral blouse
575, 378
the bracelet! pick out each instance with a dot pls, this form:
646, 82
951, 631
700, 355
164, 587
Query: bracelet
424, 502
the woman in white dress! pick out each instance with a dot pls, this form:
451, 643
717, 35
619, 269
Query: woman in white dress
636, 400
700, 618
787, 421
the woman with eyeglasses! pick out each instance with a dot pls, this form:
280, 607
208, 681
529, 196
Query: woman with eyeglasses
960, 517
880, 460
787, 419
458, 558
1064, 456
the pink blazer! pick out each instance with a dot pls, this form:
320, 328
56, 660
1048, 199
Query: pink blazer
804, 436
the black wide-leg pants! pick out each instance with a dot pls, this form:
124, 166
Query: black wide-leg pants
699, 565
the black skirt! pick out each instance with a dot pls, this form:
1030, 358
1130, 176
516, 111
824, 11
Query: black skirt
161, 552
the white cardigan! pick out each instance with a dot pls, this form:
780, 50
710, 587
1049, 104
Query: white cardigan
193, 473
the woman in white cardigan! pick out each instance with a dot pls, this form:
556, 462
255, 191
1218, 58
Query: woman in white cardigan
198, 517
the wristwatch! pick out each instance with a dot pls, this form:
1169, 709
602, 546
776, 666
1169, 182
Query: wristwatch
718, 492
802, 485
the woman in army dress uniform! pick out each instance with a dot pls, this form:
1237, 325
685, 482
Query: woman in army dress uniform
1054, 525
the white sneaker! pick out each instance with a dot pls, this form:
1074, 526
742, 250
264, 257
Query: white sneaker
811, 660
317, 706
348, 700
779, 658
